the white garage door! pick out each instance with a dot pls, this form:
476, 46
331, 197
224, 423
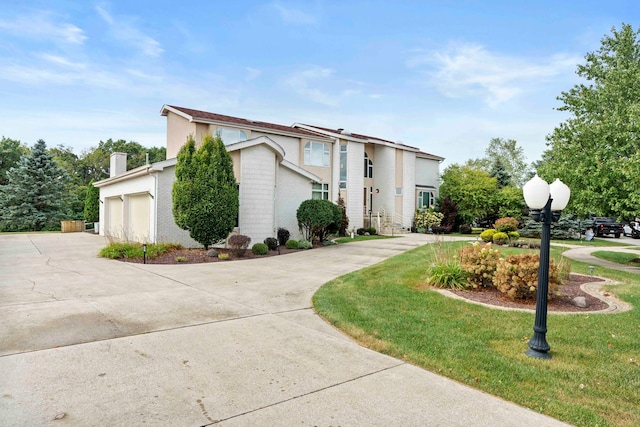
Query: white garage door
114, 226
139, 217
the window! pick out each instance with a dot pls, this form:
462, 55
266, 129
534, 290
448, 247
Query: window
343, 166
368, 167
426, 199
230, 136
316, 154
320, 191
398, 191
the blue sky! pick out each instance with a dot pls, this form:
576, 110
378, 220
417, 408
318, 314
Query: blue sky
444, 76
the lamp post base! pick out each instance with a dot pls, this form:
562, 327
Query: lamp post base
537, 354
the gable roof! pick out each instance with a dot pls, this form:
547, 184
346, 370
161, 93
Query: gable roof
213, 118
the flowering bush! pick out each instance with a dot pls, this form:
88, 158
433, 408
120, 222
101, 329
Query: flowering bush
428, 218
480, 263
506, 224
517, 276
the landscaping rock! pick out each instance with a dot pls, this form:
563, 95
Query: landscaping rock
580, 302
212, 253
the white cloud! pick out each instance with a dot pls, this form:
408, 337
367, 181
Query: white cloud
470, 70
124, 30
41, 25
60, 60
307, 83
294, 16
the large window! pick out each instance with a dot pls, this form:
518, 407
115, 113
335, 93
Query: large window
426, 199
368, 167
316, 154
230, 136
320, 191
343, 166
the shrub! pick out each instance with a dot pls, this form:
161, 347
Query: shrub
304, 244
506, 224
272, 243
516, 276
181, 259
448, 275
441, 229
487, 235
361, 231
291, 244
223, 256
480, 262
372, 231
500, 238
427, 218
260, 248
344, 223
238, 244
513, 235
283, 236
317, 218
466, 229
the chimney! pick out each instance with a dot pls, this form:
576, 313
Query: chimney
118, 164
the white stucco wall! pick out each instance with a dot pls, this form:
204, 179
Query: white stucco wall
355, 184
291, 191
384, 175
257, 193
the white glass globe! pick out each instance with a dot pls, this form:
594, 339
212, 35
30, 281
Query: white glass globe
536, 192
560, 194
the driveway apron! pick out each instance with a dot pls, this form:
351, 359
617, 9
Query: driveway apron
87, 341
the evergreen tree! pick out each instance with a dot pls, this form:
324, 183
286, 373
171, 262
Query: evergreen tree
499, 172
35, 196
205, 193
92, 204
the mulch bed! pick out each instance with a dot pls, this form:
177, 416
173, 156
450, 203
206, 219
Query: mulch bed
198, 256
560, 302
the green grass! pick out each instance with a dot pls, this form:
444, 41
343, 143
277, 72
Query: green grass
593, 378
119, 250
619, 257
595, 242
357, 238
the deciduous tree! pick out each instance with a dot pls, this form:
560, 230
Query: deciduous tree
471, 189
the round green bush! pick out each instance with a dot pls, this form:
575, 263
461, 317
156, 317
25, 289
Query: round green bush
500, 238
291, 244
487, 235
513, 235
260, 249
304, 244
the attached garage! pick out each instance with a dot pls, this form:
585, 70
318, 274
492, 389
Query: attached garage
138, 208
114, 219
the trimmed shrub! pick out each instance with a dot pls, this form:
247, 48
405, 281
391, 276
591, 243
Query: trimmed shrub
260, 248
223, 256
238, 244
516, 276
513, 235
344, 223
317, 218
291, 244
283, 236
480, 262
500, 238
361, 231
441, 229
487, 235
427, 218
506, 224
272, 243
466, 229
448, 275
304, 244
372, 231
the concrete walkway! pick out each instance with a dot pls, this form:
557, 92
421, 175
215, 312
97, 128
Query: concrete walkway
86, 341
583, 254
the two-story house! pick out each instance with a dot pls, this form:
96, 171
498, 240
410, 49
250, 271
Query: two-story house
277, 167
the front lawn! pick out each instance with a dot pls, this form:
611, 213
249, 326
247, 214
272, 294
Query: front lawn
592, 379
625, 258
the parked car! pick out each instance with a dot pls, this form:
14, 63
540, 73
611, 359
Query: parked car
632, 229
603, 225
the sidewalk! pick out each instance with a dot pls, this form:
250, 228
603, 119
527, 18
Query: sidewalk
87, 342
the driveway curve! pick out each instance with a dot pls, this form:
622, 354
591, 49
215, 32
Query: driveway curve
88, 341
583, 254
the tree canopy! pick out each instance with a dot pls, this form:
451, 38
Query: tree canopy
596, 151
35, 196
11, 151
505, 160
205, 193
471, 189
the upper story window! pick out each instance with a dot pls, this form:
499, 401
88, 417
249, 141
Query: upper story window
316, 154
230, 135
368, 166
343, 166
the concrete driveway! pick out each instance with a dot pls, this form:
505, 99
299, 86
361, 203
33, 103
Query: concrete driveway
88, 341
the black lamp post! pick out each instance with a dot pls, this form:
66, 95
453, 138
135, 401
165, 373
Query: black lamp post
545, 203
144, 253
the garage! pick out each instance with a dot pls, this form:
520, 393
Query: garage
138, 208
114, 225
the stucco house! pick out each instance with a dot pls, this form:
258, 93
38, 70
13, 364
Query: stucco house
276, 167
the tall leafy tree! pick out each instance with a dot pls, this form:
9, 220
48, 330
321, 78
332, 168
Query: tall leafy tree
11, 151
92, 204
205, 193
35, 196
471, 189
511, 160
596, 151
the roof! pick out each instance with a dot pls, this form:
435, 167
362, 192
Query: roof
204, 116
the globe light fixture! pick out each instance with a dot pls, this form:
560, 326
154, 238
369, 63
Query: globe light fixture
545, 203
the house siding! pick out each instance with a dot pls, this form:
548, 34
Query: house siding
178, 129
291, 191
355, 184
385, 178
167, 230
409, 185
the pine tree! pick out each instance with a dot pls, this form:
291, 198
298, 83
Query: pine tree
205, 193
35, 196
